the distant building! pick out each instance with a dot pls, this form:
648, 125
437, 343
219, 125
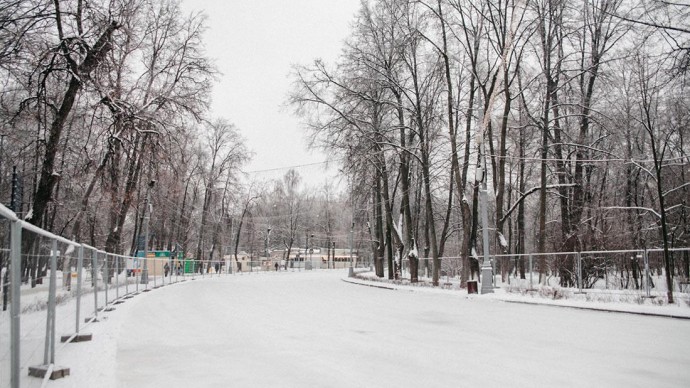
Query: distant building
316, 258
319, 257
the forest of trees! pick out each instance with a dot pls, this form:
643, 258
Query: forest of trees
574, 114
103, 103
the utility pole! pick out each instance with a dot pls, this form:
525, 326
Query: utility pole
148, 208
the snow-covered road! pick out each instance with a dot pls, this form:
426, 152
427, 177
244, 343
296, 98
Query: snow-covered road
314, 330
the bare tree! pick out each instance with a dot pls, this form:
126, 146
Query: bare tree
226, 152
81, 66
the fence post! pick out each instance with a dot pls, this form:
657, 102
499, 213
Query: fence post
606, 274
49, 353
647, 276
579, 270
48, 369
136, 273
15, 282
80, 268
94, 280
77, 337
529, 260
106, 278
126, 271
117, 277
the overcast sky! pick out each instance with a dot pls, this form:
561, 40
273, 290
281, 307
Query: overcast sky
254, 44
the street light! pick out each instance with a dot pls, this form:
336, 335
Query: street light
311, 250
481, 176
306, 249
148, 208
351, 271
333, 253
268, 241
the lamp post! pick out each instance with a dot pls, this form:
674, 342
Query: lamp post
481, 176
351, 271
2, 149
487, 271
311, 250
306, 249
333, 253
148, 208
268, 241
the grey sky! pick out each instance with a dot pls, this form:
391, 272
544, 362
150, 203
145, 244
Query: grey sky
254, 43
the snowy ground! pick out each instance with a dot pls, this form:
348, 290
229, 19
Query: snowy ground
311, 329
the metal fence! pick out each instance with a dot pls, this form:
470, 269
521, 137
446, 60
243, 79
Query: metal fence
636, 271
271, 265
53, 289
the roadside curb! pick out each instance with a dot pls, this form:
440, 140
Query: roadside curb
360, 282
395, 287
604, 310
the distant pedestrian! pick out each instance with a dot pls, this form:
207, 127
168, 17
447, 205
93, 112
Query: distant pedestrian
166, 268
276, 265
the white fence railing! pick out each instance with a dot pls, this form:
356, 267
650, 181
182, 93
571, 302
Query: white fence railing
53, 289
635, 270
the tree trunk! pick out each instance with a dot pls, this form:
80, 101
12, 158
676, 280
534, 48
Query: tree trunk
49, 177
405, 205
469, 214
378, 206
134, 168
502, 150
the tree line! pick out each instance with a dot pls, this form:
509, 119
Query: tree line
104, 104
574, 116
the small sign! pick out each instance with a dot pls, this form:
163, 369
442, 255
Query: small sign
153, 254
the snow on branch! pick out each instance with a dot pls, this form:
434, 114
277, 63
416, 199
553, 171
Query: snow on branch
502, 240
646, 209
398, 229
528, 192
686, 184
414, 253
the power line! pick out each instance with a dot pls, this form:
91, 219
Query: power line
295, 166
536, 159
